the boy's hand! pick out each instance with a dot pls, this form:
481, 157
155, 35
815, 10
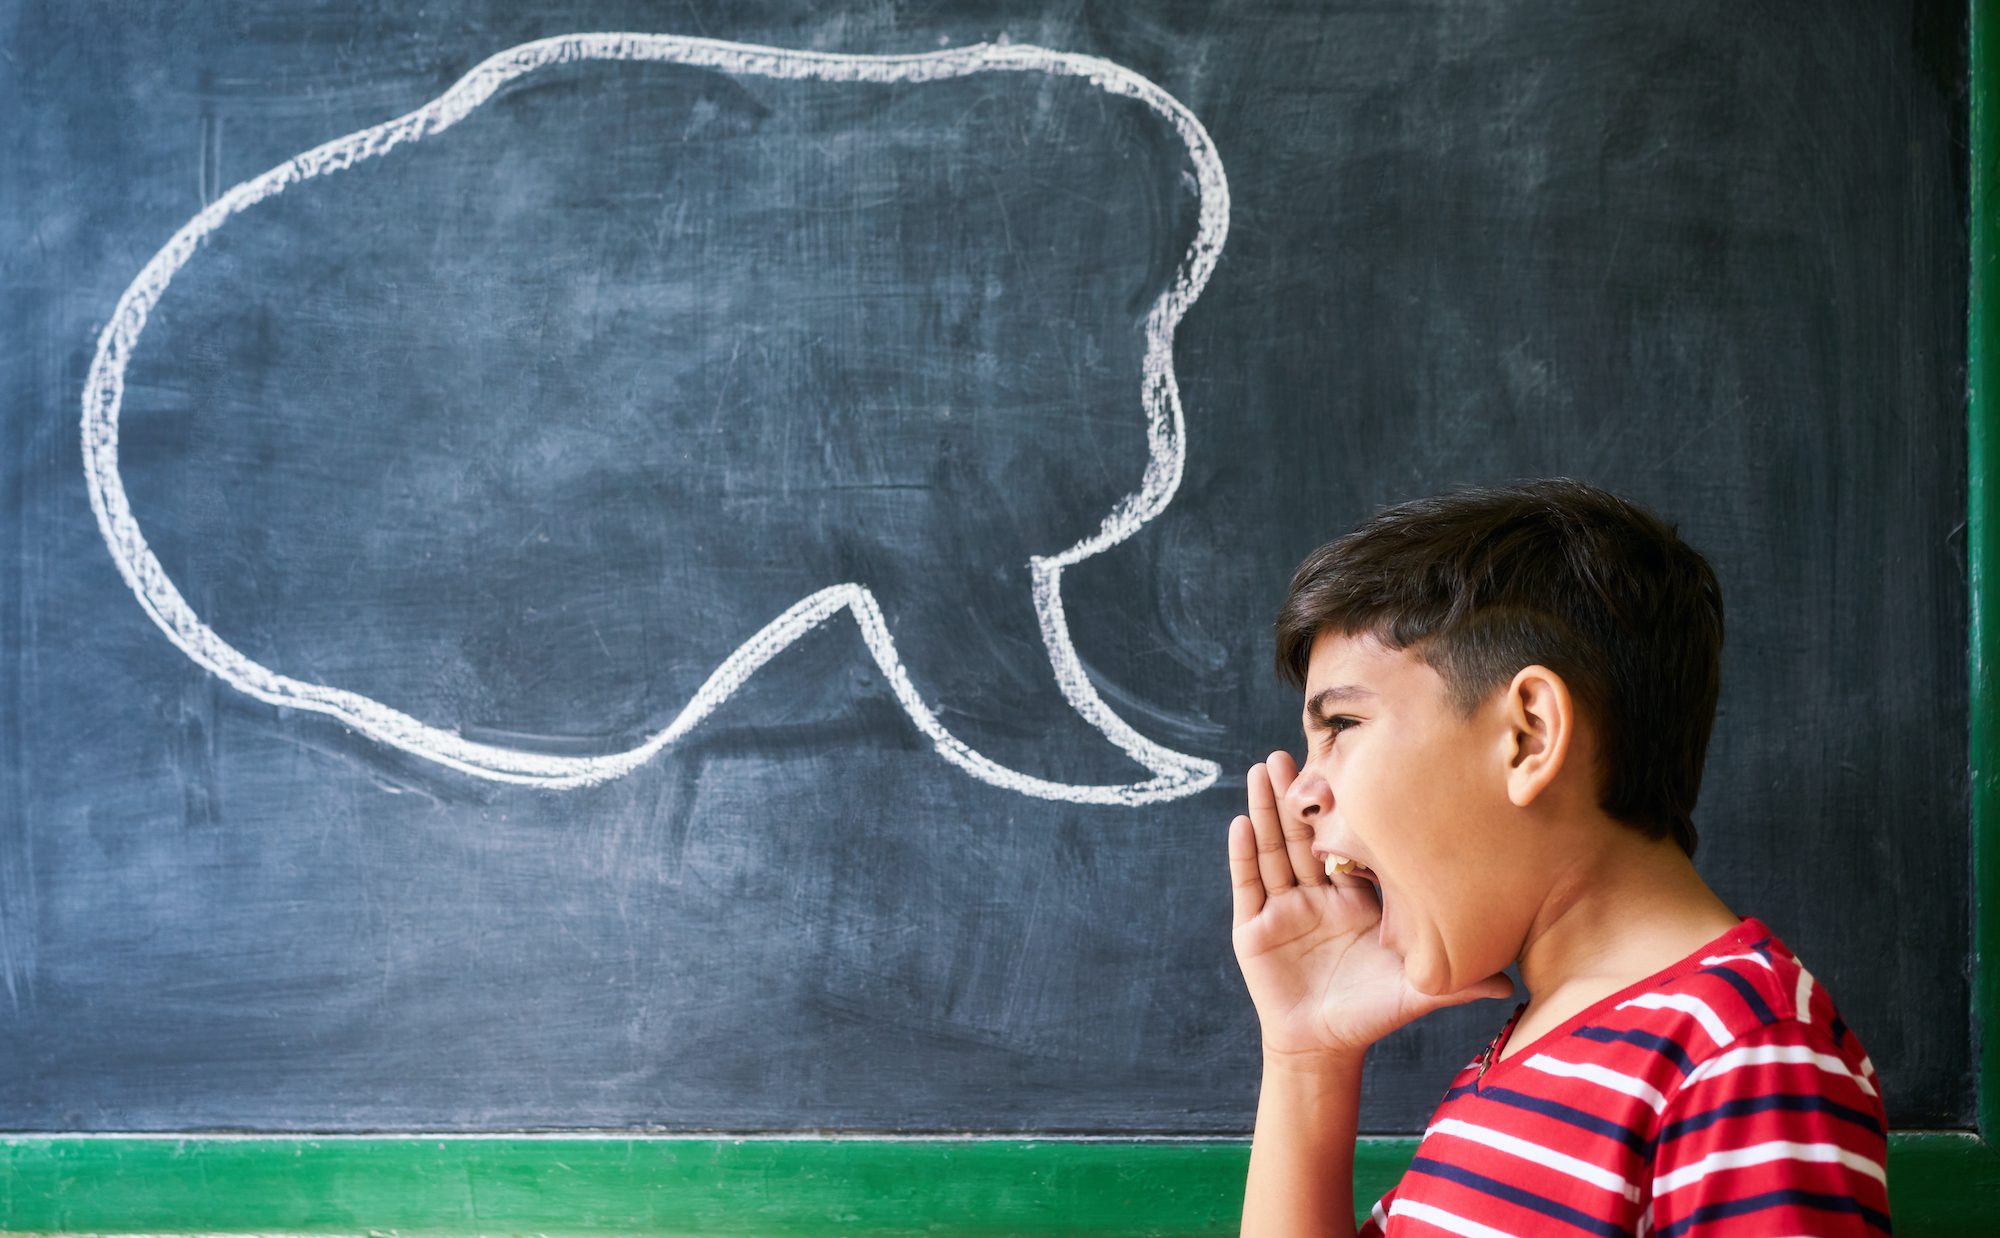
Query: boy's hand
1323, 986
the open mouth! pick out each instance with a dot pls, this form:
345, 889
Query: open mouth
1339, 864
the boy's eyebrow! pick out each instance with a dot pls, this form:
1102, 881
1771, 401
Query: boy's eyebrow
1327, 696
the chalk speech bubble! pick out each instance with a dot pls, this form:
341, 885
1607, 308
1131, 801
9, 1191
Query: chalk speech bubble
1175, 775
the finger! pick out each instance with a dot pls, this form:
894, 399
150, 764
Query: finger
1273, 861
1245, 882
1298, 832
1499, 986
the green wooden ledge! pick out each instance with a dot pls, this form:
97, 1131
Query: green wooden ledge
1940, 1182
1943, 1183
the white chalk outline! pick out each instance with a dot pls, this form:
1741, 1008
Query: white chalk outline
1175, 774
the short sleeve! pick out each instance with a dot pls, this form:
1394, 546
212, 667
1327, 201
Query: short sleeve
1777, 1134
1378, 1216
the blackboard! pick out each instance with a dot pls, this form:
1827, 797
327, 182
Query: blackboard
521, 428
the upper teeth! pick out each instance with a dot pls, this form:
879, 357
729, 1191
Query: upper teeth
1339, 864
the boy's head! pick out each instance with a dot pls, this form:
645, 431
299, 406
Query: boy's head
1479, 582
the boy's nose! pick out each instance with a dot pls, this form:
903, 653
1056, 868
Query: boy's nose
1309, 796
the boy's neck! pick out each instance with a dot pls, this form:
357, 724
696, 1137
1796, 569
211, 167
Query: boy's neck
1616, 914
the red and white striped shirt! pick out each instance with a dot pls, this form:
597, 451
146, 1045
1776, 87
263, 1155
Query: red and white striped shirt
1722, 1096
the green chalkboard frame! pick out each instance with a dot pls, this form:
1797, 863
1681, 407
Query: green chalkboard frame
1941, 1182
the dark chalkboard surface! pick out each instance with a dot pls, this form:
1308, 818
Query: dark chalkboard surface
393, 729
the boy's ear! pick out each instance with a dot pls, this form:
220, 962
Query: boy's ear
1540, 718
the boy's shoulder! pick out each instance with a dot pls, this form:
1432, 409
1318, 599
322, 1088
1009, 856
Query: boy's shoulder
1742, 1001
1724, 1089
1747, 993
1777, 1116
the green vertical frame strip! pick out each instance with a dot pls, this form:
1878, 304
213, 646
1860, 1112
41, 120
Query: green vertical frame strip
1982, 354
1983, 554
1941, 1183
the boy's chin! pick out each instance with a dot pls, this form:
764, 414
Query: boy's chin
1427, 974
1422, 976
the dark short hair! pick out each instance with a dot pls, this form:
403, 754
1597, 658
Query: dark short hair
1481, 581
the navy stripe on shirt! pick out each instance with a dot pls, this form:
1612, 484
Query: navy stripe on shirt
1775, 1199
1517, 1196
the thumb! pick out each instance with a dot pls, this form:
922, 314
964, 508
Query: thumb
1500, 985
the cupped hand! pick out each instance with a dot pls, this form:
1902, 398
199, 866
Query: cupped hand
1322, 984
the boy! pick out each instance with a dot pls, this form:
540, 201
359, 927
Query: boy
1508, 697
